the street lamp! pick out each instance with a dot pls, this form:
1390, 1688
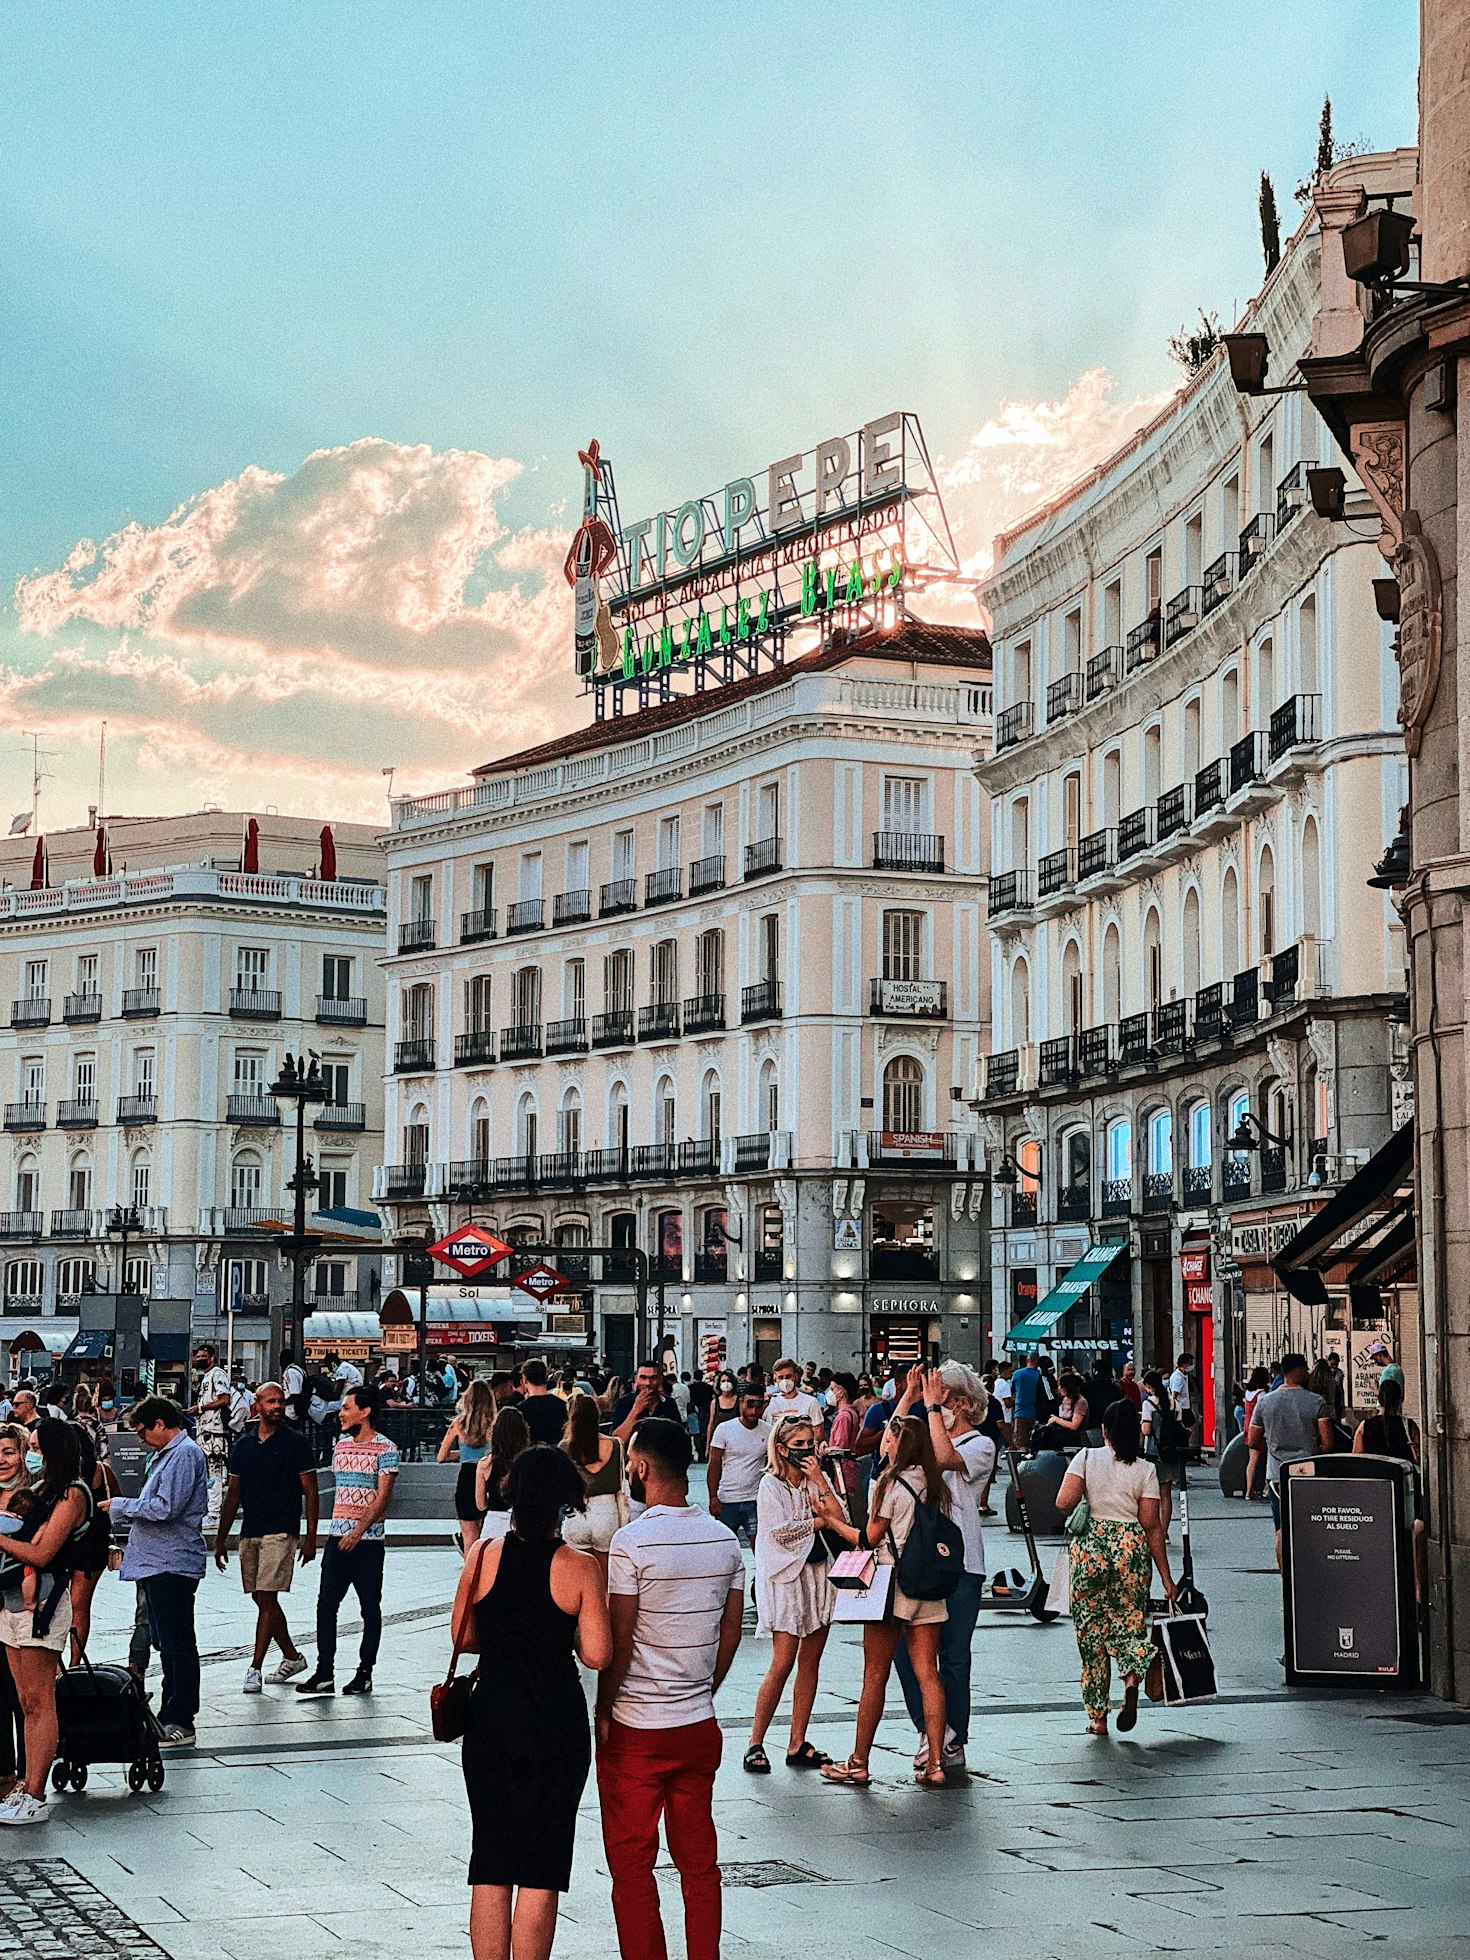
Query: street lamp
1252, 1135
123, 1222
299, 1082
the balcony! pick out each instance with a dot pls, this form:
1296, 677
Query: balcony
614, 1029
137, 1109
1023, 1210
904, 850
516, 1173
1219, 581
78, 1008
1058, 1062
1281, 988
923, 1000
1142, 644
404, 1180
32, 1013
344, 1116
21, 1224
1235, 1181
1171, 813
78, 1114
571, 908
706, 874
255, 1112
139, 1003
468, 1177
1094, 1052
663, 887
1196, 1185
704, 1014
521, 1043
600, 1164
1297, 723
1074, 1204
1291, 495
753, 1153
254, 1004
655, 1159
26, 1115
762, 1002
621, 895
1135, 833
762, 857
1003, 1072
559, 1168
1117, 1197
1063, 698
1253, 541
1158, 1191
73, 1224
477, 926
1056, 874
1208, 795
770, 1262
1104, 671
1210, 1019
1010, 892
568, 1037
475, 1048
1183, 613
1245, 999
416, 936
1133, 1043
526, 915
1273, 1169
659, 1021
415, 1056
1246, 763
923, 1151
240, 1218
1096, 854
1171, 1027
711, 1265
700, 1157
341, 1011
1013, 725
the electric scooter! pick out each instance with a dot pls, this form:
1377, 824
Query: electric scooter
1012, 1591
1187, 1596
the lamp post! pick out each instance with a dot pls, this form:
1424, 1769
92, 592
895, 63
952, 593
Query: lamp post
299, 1082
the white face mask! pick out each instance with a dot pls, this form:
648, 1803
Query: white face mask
947, 1417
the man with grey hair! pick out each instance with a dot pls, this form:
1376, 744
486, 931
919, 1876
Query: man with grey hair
954, 1401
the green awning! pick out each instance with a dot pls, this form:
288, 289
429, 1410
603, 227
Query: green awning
1068, 1290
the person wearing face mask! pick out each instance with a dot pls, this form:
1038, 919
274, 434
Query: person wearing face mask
793, 1599
789, 1398
724, 1408
15, 1475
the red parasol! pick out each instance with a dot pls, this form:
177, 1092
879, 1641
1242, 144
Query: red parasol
250, 856
329, 856
39, 879
101, 855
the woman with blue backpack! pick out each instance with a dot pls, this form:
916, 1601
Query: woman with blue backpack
917, 1544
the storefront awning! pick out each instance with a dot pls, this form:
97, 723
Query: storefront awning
1068, 1290
1371, 1190
90, 1345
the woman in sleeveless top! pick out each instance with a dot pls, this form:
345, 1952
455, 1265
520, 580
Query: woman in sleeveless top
599, 1458
468, 1436
725, 1406
1391, 1433
508, 1439
530, 1606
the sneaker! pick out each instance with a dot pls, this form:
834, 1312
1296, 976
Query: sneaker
953, 1758
361, 1683
176, 1736
289, 1669
254, 1681
317, 1684
20, 1807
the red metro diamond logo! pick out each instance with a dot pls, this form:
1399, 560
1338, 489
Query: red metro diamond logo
471, 1250
540, 1282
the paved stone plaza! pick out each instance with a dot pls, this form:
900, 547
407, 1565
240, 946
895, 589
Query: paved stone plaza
1263, 1824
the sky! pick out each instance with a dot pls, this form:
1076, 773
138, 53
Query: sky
306, 309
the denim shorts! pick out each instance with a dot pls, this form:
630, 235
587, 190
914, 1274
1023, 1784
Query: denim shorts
739, 1517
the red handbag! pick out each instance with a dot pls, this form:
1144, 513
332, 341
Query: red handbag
449, 1699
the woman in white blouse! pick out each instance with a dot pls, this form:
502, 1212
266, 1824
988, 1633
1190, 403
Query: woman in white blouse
792, 1597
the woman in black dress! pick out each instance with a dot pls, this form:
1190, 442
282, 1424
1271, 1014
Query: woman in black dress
535, 1606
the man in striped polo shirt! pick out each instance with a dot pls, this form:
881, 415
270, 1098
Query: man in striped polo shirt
365, 1468
676, 1583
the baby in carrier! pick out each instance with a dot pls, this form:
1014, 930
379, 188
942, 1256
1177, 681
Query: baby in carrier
26, 1588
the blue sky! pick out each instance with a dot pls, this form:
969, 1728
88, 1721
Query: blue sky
705, 233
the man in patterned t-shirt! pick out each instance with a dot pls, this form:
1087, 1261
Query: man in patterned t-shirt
365, 1466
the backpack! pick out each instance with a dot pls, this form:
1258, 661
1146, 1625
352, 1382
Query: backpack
238, 1413
932, 1562
1170, 1437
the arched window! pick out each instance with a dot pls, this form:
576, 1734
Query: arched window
1118, 1152
1153, 745
1153, 960
711, 1106
617, 1117
1112, 966
1266, 902
1074, 1173
1311, 880
528, 1125
1191, 948
141, 1180
480, 1137
665, 1113
903, 1095
1229, 925
1265, 683
246, 1177
1073, 1015
1020, 1004
1307, 643
1160, 1142
1198, 1136
711, 1256
768, 1114
1229, 708
28, 1184
416, 1135
79, 1182
569, 1123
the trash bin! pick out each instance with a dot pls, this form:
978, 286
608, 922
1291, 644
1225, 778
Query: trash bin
1347, 1572
1041, 1479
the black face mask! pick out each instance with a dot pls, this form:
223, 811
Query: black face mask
802, 1453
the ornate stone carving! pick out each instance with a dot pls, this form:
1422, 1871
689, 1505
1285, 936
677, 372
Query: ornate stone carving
977, 1199
1378, 455
1322, 1041
991, 1132
909, 1037
1282, 1057
956, 1200
1421, 629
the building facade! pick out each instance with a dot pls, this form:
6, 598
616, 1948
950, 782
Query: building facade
145, 1014
708, 981
1196, 765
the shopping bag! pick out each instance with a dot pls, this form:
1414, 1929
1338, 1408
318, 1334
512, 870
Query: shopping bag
1188, 1665
1059, 1593
872, 1603
852, 1570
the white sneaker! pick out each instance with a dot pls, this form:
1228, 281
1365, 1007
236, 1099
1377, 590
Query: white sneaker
20, 1807
254, 1681
288, 1670
953, 1757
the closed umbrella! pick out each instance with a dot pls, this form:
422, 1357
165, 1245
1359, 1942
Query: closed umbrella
250, 857
329, 855
39, 880
101, 855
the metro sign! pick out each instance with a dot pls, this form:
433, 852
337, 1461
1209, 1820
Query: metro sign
471, 1250
540, 1282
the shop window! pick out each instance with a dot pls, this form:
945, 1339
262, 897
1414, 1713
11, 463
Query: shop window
770, 1251
668, 1255
903, 1242
711, 1260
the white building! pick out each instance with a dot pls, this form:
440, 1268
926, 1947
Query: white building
145, 1014
709, 980
1196, 766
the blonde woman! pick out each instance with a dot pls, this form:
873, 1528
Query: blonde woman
468, 1437
793, 1599
599, 1458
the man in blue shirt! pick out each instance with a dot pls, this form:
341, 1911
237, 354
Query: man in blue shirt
1025, 1383
165, 1555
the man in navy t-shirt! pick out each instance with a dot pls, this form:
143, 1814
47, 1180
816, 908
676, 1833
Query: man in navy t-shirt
272, 1474
1025, 1383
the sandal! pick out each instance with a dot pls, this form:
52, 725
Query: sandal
1098, 1725
852, 1772
1153, 1681
931, 1779
1128, 1713
757, 1761
807, 1758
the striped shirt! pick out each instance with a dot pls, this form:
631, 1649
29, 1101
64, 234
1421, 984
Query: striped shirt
681, 1566
357, 1464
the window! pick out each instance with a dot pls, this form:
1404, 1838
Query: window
138, 1277
1072, 642
903, 1095
336, 976
34, 985
574, 990
713, 830
1153, 961
1160, 1138
528, 1126
1268, 904
1265, 683
331, 1279
664, 1112
1153, 580
712, 1259
245, 1182
903, 945
252, 969
1191, 746
1230, 513
480, 1132
1266, 475
669, 1244
477, 1004
24, 1280
145, 968
482, 888
617, 981
770, 1098
1118, 1151
27, 1185
416, 1137
1191, 942
84, 1078
250, 1072
1153, 742
1198, 1136
1194, 539
768, 811
903, 1242
622, 855
421, 900
577, 866
709, 962
1071, 811
530, 887
1112, 976
903, 804
33, 1079
337, 1075
770, 946
87, 974
1112, 788
1075, 1160
1112, 613
1021, 672
1072, 991
74, 1277
770, 1260
1020, 1004
617, 1125
1230, 709
332, 1191
142, 1183
663, 979
713, 1104
525, 997
668, 844
569, 1125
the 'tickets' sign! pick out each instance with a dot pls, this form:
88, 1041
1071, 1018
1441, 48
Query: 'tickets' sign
471, 1250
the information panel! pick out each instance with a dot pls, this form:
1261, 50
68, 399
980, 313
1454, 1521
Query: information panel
1348, 1590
